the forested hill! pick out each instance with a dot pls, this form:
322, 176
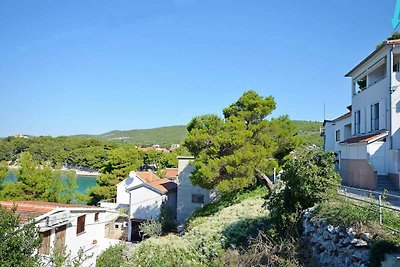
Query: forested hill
310, 132
165, 136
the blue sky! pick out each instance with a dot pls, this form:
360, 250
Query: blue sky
69, 67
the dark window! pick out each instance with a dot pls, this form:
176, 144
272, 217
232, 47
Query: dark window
357, 122
45, 247
96, 217
337, 135
80, 227
198, 199
375, 117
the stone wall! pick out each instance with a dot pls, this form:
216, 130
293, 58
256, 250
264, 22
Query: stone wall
335, 246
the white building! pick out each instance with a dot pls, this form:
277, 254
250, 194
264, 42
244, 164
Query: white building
190, 197
367, 139
68, 226
144, 193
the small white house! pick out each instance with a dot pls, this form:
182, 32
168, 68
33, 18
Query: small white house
144, 193
66, 226
367, 139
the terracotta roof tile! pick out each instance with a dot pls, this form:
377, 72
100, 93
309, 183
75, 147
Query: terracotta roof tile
148, 176
171, 173
163, 185
28, 210
365, 138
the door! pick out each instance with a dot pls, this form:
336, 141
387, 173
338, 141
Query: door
60, 238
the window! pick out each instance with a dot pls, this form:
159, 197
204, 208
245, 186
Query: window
360, 85
96, 217
80, 227
198, 199
45, 247
357, 122
375, 117
337, 135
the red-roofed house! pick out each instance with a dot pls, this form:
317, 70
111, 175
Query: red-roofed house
144, 193
367, 139
64, 225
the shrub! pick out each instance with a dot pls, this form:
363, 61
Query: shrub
307, 179
378, 250
151, 228
167, 220
165, 251
113, 256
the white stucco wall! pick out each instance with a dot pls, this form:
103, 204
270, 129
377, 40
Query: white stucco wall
131, 181
329, 139
377, 156
92, 240
145, 203
354, 151
185, 206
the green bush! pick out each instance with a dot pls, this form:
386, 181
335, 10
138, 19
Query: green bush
113, 256
151, 228
165, 251
307, 179
167, 220
206, 237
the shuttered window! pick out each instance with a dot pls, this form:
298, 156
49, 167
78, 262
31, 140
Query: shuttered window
45, 247
80, 227
96, 217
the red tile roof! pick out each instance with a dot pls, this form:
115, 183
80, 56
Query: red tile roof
365, 138
171, 173
164, 185
31, 209
148, 177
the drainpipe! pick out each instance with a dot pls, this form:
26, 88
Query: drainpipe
129, 218
390, 63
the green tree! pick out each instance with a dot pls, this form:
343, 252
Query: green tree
3, 172
229, 150
18, 244
113, 256
308, 179
40, 183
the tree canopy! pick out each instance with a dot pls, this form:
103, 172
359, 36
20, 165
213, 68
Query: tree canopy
18, 244
229, 150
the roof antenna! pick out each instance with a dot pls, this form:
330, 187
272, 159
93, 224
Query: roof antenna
324, 111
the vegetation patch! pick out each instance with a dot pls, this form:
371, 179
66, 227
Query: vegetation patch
207, 237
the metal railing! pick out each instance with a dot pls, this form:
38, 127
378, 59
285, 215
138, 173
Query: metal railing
382, 200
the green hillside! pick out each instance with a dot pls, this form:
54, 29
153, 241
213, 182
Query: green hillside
165, 136
310, 132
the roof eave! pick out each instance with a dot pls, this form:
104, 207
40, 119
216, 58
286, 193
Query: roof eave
384, 45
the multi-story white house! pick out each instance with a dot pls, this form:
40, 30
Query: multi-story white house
367, 138
65, 226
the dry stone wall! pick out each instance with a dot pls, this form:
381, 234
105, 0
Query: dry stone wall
335, 246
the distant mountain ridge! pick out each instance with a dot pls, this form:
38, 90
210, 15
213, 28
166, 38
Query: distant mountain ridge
166, 136
163, 136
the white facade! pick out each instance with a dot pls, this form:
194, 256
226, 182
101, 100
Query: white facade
61, 226
190, 197
375, 112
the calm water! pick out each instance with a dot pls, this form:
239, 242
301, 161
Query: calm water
83, 182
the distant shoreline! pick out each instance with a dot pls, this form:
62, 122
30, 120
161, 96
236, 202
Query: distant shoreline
65, 169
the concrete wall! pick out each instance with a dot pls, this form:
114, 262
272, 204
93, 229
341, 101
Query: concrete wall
131, 181
377, 156
329, 139
358, 173
354, 151
186, 189
145, 204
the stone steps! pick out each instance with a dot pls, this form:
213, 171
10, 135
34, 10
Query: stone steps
385, 183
